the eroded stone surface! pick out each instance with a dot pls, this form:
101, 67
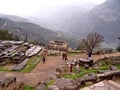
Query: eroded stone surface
67, 84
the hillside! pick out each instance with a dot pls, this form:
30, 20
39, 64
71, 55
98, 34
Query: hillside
104, 19
35, 32
14, 18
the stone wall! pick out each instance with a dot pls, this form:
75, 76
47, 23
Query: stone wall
10, 83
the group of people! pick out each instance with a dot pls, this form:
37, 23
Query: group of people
64, 57
45, 53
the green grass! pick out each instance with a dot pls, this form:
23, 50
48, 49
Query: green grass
28, 68
4, 69
118, 66
31, 64
48, 84
84, 71
29, 88
73, 53
105, 67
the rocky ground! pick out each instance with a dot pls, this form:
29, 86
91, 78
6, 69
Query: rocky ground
42, 71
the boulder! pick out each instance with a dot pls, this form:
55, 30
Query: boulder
53, 87
103, 71
93, 75
58, 70
19, 86
58, 75
67, 84
41, 87
87, 78
52, 76
86, 66
61, 68
88, 83
113, 68
85, 61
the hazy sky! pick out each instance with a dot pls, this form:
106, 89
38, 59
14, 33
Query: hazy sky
30, 7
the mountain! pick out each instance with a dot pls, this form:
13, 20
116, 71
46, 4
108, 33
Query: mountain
57, 20
103, 19
14, 18
22, 28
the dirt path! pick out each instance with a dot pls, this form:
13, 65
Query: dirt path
42, 71
38, 74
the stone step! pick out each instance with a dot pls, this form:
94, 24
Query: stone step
103, 85
114, 83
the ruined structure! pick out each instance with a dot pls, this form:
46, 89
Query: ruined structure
16, 52
58, 45
10, 83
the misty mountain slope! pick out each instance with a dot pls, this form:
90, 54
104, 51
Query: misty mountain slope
104, 19
57, 20
14, 18
35, 32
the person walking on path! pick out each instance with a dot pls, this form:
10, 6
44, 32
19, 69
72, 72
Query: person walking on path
44, 55
64, 57
71, 67
43, 59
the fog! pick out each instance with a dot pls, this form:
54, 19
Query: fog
42, 8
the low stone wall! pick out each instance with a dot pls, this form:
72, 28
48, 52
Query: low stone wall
87, 79
10, 83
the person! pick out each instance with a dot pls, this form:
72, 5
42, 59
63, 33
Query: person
43, 59
66, 57
71, 66
89, 55
44, 55
63, 56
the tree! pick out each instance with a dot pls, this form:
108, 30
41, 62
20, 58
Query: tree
118, 47
17, 38
5, 35
91, 41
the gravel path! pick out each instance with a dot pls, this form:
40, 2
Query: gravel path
38, 74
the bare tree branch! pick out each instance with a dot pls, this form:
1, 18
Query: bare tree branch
91, 42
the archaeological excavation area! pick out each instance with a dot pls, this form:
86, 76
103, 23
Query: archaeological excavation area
21, 68
17, 57
16, 54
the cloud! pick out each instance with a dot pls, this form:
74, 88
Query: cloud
28, 7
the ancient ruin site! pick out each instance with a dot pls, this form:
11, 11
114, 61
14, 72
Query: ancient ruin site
22, 68
59, 44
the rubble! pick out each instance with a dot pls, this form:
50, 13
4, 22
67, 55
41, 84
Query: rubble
10, 83
16, 52
67, 84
